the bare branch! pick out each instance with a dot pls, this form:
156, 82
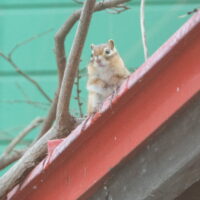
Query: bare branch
7, 140
118, 9
22, 134
41, 105
9, 159
50, 117
22, 90
19, 71
64, 122
10, 155
190, 12
9, 131
27, 41
72, 64
78, 91
33, 103
38, 150
78, 2
143, 32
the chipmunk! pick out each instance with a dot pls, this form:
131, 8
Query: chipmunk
106, 72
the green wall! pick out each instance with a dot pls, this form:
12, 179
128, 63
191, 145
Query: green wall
22, 19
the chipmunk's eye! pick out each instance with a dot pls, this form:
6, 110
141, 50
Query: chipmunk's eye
107, 51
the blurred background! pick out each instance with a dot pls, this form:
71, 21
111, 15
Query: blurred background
36, 23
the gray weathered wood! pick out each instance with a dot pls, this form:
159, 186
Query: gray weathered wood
162, 168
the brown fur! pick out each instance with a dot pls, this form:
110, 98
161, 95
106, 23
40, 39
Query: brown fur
106, 72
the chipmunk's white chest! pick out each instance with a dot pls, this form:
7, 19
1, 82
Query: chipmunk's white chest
105, 73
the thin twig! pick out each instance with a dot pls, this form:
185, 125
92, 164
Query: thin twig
9, 131
78, 2
190, 12
10, 155
19, 71
21, 89
33, 103
7, 140
22, 134
27, 41
118, 9
28, 100
9, 159
143, 32
78, 91
83, 72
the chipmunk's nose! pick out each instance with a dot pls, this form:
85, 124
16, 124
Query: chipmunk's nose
98, 59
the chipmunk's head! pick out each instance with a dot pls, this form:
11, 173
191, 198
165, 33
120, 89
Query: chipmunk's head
103, 53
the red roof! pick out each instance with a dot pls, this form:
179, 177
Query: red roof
151, 95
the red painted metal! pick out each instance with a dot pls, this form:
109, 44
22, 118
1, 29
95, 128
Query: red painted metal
152, 94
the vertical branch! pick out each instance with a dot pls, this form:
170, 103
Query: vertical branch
78, 91
72, 64
143, 32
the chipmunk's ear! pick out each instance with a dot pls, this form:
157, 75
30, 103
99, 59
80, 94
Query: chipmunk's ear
92, 46
111, 44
